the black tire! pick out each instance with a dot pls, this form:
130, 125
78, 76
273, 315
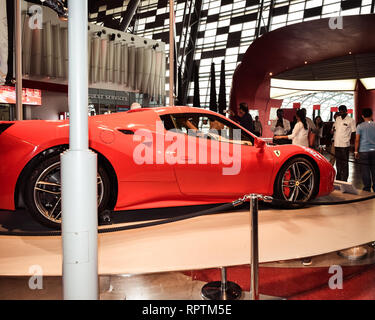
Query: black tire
40, 195
297, 180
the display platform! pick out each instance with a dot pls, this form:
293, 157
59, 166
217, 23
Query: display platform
207, 241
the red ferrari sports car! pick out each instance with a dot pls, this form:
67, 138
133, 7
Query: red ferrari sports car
156, 157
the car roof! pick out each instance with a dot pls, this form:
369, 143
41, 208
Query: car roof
147, 116
173, 109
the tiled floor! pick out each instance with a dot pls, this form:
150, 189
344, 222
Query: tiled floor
163, 286
159, 286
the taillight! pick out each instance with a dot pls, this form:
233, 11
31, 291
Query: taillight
4, 126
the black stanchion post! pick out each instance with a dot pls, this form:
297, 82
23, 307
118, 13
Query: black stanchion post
221, 290
254, 247
354, 253
254, 251
224, 283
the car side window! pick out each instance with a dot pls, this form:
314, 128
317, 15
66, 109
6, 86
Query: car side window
206, 126
167, 122
225, 131
182, 123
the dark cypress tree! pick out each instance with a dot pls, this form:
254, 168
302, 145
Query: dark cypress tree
222, 94
213, 99
196, 98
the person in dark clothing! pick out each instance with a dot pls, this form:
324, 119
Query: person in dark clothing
292, 124
365, 149
244, 118
258, 129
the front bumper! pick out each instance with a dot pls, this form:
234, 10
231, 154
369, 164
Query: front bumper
14, 155
327, 178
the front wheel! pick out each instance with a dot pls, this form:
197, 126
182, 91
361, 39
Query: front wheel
42, 192
296, 182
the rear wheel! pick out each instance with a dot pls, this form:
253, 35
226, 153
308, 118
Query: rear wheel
42, 192
296, 181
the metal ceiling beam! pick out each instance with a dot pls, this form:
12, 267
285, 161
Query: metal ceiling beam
187, 57
258, 27
270, 15
129, 14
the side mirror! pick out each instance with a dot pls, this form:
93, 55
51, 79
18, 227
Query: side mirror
260, 143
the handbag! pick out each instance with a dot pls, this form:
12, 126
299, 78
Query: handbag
311, 139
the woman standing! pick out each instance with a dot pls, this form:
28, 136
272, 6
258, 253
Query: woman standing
318, 132
300, 133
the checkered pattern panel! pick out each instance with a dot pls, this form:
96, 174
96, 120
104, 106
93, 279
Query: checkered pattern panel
227, 27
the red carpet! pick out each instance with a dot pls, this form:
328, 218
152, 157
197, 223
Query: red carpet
300, 283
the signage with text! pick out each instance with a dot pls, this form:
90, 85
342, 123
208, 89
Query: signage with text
29, 96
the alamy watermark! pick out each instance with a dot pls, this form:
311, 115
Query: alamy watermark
36, 17
36, 280
336, 281
336, 23
215, 147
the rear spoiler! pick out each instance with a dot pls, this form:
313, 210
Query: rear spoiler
5, 125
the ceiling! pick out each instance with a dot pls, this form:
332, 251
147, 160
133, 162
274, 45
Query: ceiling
305, 51
353, 66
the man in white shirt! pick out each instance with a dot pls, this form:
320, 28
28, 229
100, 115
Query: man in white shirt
280, 127
345, 128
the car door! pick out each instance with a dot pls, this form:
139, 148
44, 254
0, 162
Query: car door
219, 159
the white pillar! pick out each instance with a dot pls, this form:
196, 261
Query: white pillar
18, 49
171, 53
78, 173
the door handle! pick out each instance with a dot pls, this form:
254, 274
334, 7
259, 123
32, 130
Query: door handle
147, 143
124, 131
186, 158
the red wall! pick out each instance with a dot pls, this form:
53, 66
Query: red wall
264, 115
363, 99
260, 101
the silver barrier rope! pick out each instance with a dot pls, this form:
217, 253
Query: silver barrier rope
227, 290
218, 209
